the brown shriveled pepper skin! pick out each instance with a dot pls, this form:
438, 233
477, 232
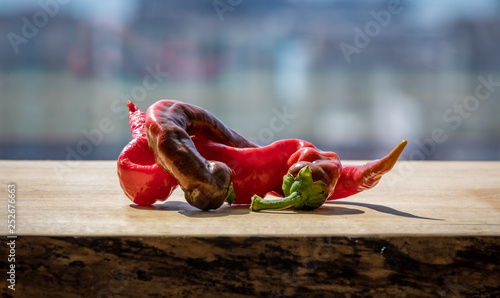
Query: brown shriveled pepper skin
169, 127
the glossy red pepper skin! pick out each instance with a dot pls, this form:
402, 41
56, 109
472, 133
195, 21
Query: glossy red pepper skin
259, 171
355, 179
255, 170
141, 179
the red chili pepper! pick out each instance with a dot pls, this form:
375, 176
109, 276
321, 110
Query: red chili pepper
293, 168
170, 124
276, 167
141, 179
321, 177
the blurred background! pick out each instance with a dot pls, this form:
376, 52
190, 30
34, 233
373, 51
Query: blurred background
351, 76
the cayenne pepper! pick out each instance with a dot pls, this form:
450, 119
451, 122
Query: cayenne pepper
297, 166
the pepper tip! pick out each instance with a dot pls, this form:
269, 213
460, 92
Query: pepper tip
131, 106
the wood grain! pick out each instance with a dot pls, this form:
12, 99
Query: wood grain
256, 267
62, 198
429, 229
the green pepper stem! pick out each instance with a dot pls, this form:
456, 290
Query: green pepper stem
231, 194
259, 203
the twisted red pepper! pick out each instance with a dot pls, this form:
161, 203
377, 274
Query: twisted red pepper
292, 168
141, 179
169, 127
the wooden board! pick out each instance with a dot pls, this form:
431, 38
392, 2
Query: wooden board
429, 229
77, 198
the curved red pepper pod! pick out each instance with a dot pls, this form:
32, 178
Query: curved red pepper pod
141, 179
315, 176
259, 171
356, 178
170, 127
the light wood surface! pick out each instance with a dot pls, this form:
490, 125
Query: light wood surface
83, 198
429, 229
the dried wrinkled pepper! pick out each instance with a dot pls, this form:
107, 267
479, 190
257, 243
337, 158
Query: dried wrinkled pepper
211, 161
170, 124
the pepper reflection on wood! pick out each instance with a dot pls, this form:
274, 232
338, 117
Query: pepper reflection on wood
176, 143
